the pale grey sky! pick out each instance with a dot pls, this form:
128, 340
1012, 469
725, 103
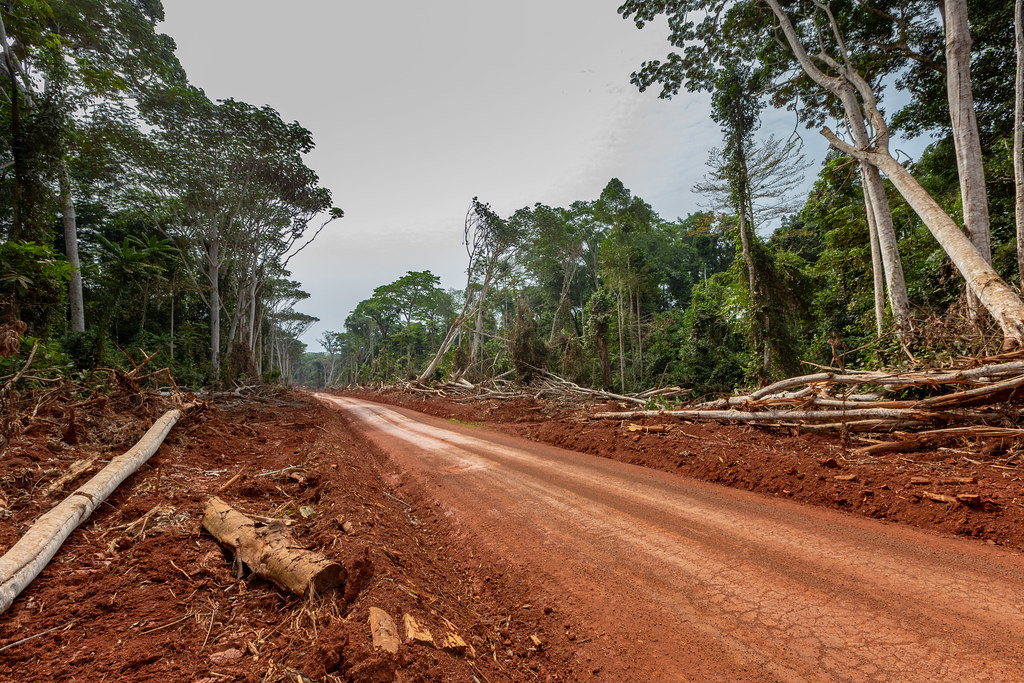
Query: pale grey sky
416, 107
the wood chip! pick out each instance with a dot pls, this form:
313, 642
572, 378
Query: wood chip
453, 642
845, 477
536, 640
970, 499
920, 481
383, 631
959, 480
938, 497
656, 429
416, 633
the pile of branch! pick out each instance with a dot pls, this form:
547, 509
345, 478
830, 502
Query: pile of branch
50, 402
947, 403
550, 386
553, 386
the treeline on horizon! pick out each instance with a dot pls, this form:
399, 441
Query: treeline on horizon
135, 212
608, 294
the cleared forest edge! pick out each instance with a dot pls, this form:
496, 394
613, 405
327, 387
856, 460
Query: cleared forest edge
977, 493
140, 592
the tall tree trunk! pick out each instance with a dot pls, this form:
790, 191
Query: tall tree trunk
899, 301
70, 222
604, 356
235, 326
759, 318
172, 323
250, 334
213, 275
622, 346
18, 154
966, 140
568, 272
474, 346
1018, 135
639, 338
629, 331
877, 272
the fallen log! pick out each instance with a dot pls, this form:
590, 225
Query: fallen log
36, 548
270, 552
934, 437
902, 446
855, 427
778, 415
895, 380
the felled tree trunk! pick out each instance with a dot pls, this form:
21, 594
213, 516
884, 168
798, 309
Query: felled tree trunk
30, 555
270, 552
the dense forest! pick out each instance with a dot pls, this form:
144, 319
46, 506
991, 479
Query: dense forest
886, 261
135, 212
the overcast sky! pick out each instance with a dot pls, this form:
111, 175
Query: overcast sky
416, 107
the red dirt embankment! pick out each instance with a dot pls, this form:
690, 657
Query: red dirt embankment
806, 468
139, 592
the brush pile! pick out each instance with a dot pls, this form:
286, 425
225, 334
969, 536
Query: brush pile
549, 386
919, 407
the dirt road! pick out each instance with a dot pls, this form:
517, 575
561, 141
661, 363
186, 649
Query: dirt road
680, 580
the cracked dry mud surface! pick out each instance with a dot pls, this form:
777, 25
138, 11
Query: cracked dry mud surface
675, 579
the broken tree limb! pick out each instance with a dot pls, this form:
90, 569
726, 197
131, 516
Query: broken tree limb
572, 386
36, 548
76, 470
270, 552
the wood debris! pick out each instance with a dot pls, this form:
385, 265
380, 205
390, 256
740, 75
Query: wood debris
269, 551
414, 632
453, 642
914, 410
383, 631
938, 497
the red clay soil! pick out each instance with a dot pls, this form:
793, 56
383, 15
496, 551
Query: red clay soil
140, 593
810, 469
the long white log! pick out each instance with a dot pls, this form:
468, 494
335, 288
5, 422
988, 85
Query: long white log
775, 415
36, 548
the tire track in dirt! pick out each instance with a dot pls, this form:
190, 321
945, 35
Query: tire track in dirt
687, 580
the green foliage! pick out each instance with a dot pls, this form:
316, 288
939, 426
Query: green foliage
712, 356
80, 79
526, 348
27, 267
